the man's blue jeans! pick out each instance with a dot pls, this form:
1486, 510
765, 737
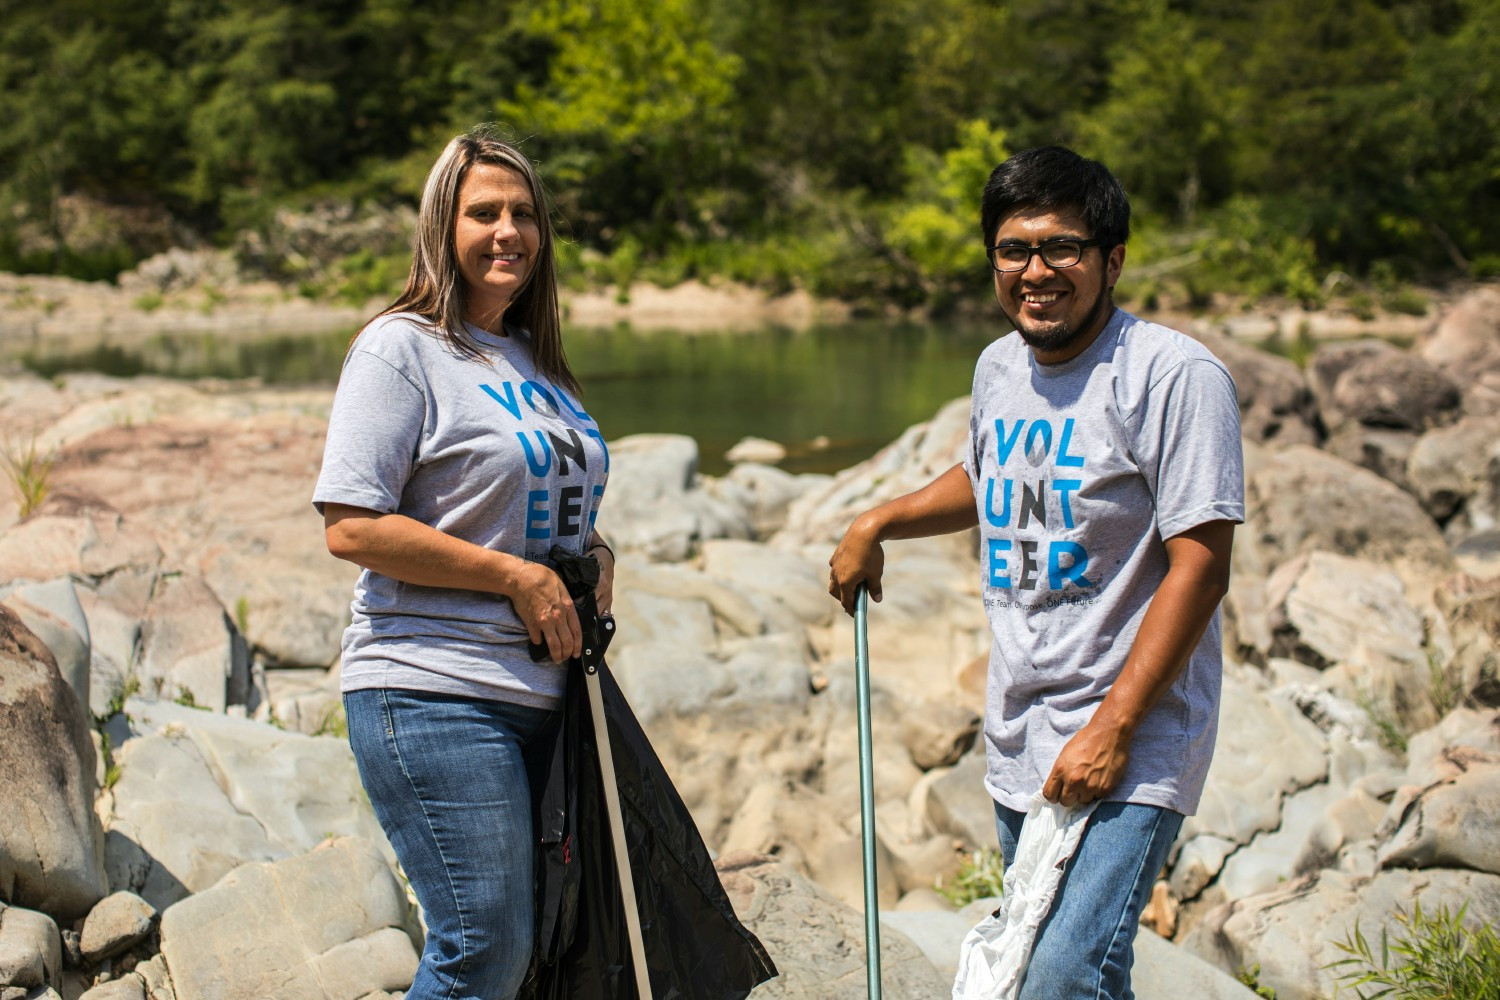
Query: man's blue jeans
449, 784
1083, 948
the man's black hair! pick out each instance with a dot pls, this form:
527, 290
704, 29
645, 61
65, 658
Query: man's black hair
1054, 178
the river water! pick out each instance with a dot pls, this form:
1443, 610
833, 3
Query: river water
832, 395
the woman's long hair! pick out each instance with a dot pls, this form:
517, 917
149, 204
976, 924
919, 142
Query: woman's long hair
434, 289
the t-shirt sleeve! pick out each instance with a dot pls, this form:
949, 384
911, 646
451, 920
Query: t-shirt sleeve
1190, 448
373, 432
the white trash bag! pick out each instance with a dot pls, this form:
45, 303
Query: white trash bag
993, 957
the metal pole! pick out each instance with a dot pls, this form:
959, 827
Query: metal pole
616, 820
866, 791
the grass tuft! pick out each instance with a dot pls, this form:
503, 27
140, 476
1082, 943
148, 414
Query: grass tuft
980, 875
29, 472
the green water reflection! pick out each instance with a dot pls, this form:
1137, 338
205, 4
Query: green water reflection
857, 385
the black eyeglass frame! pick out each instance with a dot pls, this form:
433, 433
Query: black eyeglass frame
1039, 248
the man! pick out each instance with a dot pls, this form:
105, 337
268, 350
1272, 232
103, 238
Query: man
1105, 475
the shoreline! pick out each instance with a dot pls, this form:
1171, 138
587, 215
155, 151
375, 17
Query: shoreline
54, 314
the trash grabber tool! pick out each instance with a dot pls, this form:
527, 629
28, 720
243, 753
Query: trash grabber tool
591, 660
866, 790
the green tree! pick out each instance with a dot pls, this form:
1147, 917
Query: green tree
632, 113
1162, 129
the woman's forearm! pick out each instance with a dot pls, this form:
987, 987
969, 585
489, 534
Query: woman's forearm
405, 549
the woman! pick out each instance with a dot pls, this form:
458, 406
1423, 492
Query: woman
457, 456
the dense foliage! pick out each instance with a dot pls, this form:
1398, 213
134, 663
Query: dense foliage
837, 146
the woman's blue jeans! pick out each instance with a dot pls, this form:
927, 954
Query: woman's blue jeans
449, 783
1083, 948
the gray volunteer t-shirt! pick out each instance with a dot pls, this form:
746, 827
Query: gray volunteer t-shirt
492, 453
1080, 470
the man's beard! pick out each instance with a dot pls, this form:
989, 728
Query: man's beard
1064, 334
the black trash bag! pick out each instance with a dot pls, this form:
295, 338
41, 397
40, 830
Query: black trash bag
696, 948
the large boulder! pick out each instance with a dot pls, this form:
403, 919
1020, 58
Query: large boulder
1378, 385
190, 649
655, 504
199, 794
50, 850
1455, 473
1470, 649
161, 454
1267, 751
1465, 345
30, 949
331, 924
816, 941
921, 454
52, 612
1301, 499
1351, 617
1453, 824
1276, 406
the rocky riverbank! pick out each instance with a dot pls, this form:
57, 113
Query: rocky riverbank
216, 293
181, 817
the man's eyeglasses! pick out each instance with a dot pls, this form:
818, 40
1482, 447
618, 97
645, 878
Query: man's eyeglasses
1054, 253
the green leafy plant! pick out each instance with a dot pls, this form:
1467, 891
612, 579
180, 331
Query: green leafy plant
29, 471
242, 614
1434, 956
980, 875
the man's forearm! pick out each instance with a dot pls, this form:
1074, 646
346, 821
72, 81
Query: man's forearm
1171, 628
1094, 760
944, 505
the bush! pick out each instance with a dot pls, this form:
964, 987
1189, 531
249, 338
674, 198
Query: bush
1435, 957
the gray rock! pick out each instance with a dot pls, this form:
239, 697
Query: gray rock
30, 949
1455, 473
1300, 499
1479, 554
158, 981
938, 733
765, 492
199, 794
784, 577
1455, 824
938, 933
52, 612
922, 453
1292, 932
1276, 406
326, 925
1329, 363
1381, 450
1391, 388
1247, 785
1165, 971
1469, 655
754, 449
817, 942
655, 506
116, 923
190, 648
1465, 344
1428, 753
1341, 609
127, 987
50, 852
959, 805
